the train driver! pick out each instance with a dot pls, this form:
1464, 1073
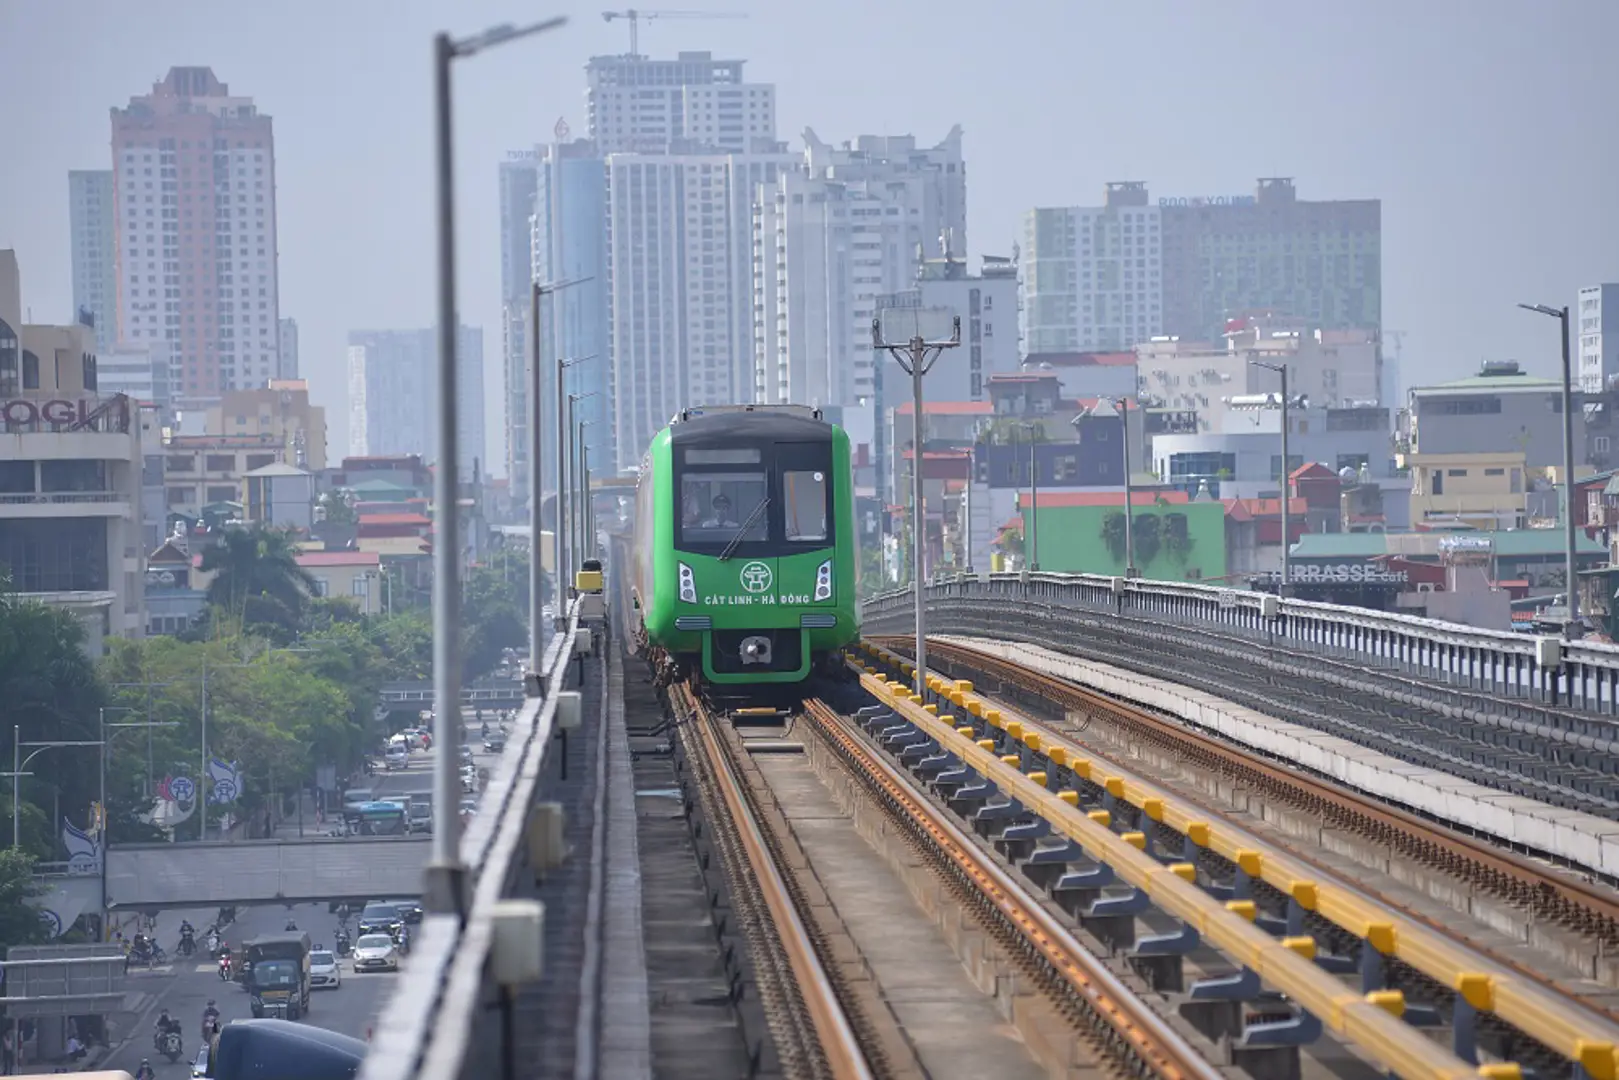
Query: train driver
721, 517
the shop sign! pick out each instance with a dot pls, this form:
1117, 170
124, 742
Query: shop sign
1351, 573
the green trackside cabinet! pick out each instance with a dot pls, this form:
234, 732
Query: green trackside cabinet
745, 547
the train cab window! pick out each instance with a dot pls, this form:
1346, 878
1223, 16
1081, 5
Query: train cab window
804, 505
714, 506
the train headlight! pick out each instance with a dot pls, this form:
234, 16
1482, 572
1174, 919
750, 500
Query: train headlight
688, 585
823, 582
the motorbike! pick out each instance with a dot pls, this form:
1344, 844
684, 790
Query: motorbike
342, 944
214, 941
224, 968
168, 1044
188, 942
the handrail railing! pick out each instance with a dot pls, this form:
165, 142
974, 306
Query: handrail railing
427, 1025
1577, 674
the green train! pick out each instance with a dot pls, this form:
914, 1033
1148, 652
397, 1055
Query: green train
745, 564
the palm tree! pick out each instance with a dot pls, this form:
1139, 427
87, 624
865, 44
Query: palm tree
258, 577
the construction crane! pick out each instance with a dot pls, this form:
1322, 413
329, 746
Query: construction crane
634, 16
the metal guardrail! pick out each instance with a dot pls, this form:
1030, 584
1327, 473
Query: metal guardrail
436, 1016
1578, 674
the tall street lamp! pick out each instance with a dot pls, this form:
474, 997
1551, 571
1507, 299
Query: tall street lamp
916, 357
148, 725
565, 554
18, 763
1571, 627
536, 475
1287, 532
576, 429
445, 874
1032, 523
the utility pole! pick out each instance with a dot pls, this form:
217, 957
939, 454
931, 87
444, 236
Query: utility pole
916, 358
1571, 628
1033, 527
1287, 532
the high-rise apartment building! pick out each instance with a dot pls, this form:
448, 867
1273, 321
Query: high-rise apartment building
287, 350
642, 105
517, 182
393, 395
677, 295
195, 231
569, 245
1111, 277
95, 269
852, 224
1598, 350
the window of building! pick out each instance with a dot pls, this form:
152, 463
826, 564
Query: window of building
1436, 478
30, 371
1495, 472
222, 493
360, 586
16, 477
322, 587
1455, 472
184, 464
73, 475
219, 463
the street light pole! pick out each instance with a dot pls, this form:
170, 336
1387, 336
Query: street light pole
916, 358
1569, 557
445, 875
536, 474
1287, 532
575, 434
1034, 502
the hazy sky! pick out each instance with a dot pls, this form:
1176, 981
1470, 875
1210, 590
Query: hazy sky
1490, 130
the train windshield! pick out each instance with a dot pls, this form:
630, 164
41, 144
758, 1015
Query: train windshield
766, 500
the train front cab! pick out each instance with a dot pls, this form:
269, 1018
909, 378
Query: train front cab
760, 530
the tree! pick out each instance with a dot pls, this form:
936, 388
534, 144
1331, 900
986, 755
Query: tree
51, 693
21, 923
258, 580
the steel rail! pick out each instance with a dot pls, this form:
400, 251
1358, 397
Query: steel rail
838, 1040
1542, 1009
1355, 1018
1162, 1050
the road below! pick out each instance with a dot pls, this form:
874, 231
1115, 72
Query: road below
185, 986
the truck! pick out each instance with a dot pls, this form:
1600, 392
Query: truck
276, 974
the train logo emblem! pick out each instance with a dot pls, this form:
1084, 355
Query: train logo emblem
756, 577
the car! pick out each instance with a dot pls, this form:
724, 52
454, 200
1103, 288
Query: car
495, 743
324, 970
397, 757
380, 918
199, 1067
466, 754
469, 805
375, 952
410, 910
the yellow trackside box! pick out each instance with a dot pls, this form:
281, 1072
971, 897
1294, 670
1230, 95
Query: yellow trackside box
588, 581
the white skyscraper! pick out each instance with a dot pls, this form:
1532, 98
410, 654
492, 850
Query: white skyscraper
1596, 359
95, 267
1091, 274
685, 143
644, 105
852, 224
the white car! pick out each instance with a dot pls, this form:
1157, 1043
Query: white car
397, 757
375, 952
324, 970
200, 1066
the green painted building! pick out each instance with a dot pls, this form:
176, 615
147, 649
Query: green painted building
1175, 539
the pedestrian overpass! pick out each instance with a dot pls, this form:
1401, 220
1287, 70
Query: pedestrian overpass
215, 874
483, 694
